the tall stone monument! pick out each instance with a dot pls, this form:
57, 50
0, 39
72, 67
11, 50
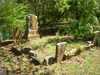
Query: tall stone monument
32, 27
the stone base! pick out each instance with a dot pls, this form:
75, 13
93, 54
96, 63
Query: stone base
30, 37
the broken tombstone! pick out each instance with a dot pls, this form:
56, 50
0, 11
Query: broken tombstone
28, 51
48, 60
7, 43
16, 51
34, 60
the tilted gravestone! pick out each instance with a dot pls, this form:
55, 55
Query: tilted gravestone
32, 28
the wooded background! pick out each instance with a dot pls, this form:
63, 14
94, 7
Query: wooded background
74, 17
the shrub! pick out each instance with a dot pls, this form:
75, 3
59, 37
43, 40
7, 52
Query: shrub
12, 15
82, 15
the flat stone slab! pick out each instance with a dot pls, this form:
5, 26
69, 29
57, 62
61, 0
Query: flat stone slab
6, 42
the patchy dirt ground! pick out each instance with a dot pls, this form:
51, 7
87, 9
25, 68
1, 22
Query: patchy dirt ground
87, 63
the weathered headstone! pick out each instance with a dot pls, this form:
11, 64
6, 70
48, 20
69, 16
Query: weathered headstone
32, 23
97, 38
60, 49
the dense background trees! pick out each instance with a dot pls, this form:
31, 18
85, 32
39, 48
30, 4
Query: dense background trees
83, 16
12, 16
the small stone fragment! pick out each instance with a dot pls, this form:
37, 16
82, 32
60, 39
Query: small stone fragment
48, 60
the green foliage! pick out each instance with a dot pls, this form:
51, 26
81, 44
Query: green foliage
62, 6
12, 15
49, 11
82, 14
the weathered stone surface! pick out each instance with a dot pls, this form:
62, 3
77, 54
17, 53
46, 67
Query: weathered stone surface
72, 52
97, 38
90, 45
26, 50
34, 60
48, 60
33, 53
60, 48
7, 43
32, 26
16, 51
29, 51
